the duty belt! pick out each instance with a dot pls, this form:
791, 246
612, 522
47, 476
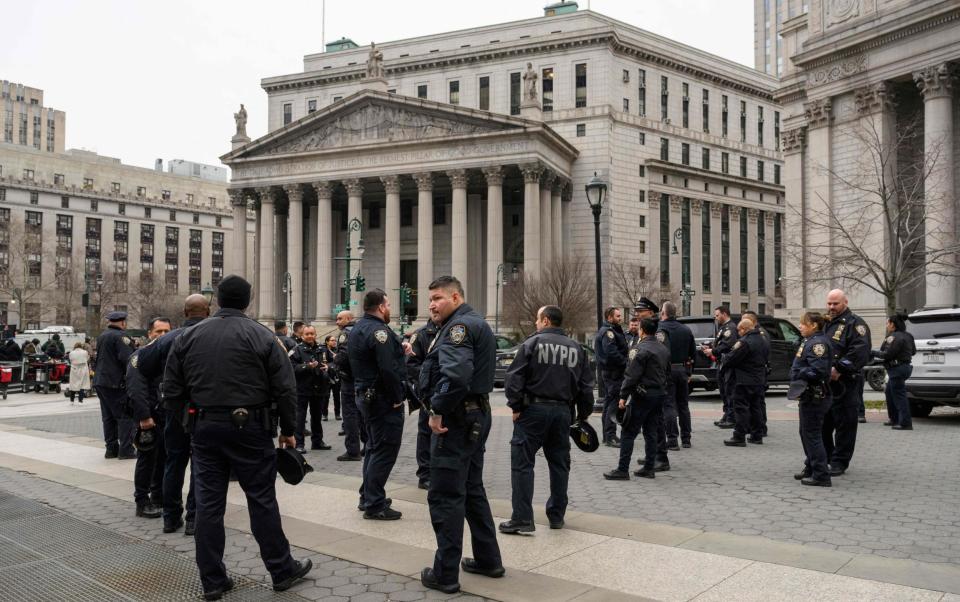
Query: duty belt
547, 402
474, 401
225, 413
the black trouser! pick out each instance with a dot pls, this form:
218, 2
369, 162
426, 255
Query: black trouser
898, 407
811, 436
118, 427
763, 408
81, 393
384, 434
456, 492
423, 446
332, 391
644, 416
612, 382
840, 424
311, 402
747, 402
677, 405
548, 427
177, 444
352, 430
148, 474
725, 383
219, 448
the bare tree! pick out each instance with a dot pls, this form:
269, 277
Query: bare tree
630, 280
565, 283
151, 296
21, 275
875, 231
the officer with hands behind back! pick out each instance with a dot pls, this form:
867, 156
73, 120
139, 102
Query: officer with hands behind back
548, 382
419, 344
309, 368
611, 347
748, 360
809, 376
456, 379
354, 430
114, 349
227, 371
897, 353
679, 340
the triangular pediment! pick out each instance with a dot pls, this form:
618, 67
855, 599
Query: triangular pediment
375, 118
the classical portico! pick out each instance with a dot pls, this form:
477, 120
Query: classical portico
437, 188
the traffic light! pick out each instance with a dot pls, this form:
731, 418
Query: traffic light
404, 296
361, 284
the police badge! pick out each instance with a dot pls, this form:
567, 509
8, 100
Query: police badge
342, 338
861, 330
819, 349
632, 354
889, 339
126, 340
661, 337
413, 338
738, 345
381, 336
458, 332
609, 334
134, 360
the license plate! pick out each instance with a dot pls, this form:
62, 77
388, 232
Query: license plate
933, 358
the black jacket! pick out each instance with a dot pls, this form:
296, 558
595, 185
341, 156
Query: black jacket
813, 361
10, 351
610, 345
679, 340
310, 381
145, 372
551, 365
897, 349
376, 360
723, 343
850, 338
420, 343
230, 360
114, 349
749, 358
341, 357
649, 367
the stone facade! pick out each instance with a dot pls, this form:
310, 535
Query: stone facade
24, 120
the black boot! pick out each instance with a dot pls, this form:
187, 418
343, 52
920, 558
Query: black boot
148, 510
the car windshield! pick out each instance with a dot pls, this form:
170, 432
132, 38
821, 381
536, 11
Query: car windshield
944, 327
702, 329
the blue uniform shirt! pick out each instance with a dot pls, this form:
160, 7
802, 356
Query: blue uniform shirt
376, 361
114, 349
611, 347
813, 361
850, 338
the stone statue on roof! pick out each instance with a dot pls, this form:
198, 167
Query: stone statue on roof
375, 63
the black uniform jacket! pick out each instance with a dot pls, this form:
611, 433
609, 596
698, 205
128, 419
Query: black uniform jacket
310, 381
748, 359
649, 367
611, 347
419, 343
897, 349
376, 360
551, 365
850, 338
151, 361
142, 392
813, 361
679, 340
723, 343
341, 357
114, 349
460, 362
232, 361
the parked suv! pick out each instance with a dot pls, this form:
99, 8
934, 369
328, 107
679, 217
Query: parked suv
784, 340
936, 367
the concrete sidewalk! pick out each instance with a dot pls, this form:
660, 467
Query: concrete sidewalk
595, 558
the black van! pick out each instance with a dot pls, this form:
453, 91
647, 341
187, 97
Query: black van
784, 340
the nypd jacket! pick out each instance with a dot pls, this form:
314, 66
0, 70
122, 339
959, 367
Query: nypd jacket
551, 365
460, 362
114, 349
376, 361
725, 340
748, 359
813, 360
141, 391
310, 381
341, 357
611, 347
649, 367
679, 340
897, 349
850, 338
419, 343
230, 360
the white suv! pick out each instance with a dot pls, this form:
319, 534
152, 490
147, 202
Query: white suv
936, 367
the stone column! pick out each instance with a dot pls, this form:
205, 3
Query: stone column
936, 84
676, 261
819, 197
354, 211
238, 200
716, 253
753, 253
391, 247
324, 251
295, 249
794, 226
494, 176
735, 295
696, 255
458, 244
531, 218
546, 218
267, 257
769, 274
566, 225
425, 273
556, 218
653, 246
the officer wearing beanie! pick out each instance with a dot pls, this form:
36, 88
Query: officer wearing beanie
226, 372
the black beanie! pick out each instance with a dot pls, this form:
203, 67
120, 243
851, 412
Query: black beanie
233, 292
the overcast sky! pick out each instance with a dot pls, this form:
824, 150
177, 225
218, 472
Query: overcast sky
145, 80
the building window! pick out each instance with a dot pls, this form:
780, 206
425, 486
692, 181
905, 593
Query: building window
743, 121
725, 162
196, 218
642, 88
642, 194
36, 132
664, 149
515, 93
94, 205
685, 243
776, 174
581, 85
218, 220
146, 212
686, 105
705, 247
547, 83
3, 194
23, 129
642, 171
64, 202
311, 105
664, 240
141, 191
28, 175
337, 98
88, 183
165, 195
115, 187
287, 113
454, 92
777, 249
34, 198
760, 171
761, 256
373, 218
725, 249
643, 139
422, 91
685, 153
760, 126
439, 214
581, 130
664, 97
58, 179
173, 215
743, 167
406, 213
706, 158
51, 134
643, 249
706, 111
744, 252
122, 208
626, 76
484, 95
626, 105
515, 220
643, 221
723, 115
189, 197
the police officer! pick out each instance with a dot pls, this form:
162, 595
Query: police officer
419, 344
548, 381
748, 360
897, 353
309, 368
376, 361
353, 428
644, 389
151, 361
144, 396
766, 374
633, 332
456, 379
811, 367
333, 379
647, 309
610, 345
280, 329
298, 327
723, 344
227, 371
679, 340
850, 338
114, 349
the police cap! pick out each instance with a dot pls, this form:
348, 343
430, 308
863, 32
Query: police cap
623, 415
116, 316
145, 439
584, 436
796, 390
291, 465
644, 303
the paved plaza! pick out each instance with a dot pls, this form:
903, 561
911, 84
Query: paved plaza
733, 516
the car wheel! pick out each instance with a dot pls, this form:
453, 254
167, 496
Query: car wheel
920, 409
877, 379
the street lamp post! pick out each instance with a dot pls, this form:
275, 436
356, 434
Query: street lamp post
288, 295
686, 293
596, 189
354, 225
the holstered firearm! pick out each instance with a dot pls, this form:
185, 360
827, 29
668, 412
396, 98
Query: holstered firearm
272, 422
189, 416
414, 402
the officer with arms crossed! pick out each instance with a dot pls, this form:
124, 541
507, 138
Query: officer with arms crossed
748, 360
547, 382
679, 340
850, 338
419, 343
226, 372
456, 379
114, 349
309, 368
376, 361
722, 345
353, 429
611, 347
644, 390
809, 376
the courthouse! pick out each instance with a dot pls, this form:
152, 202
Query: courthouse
467, 152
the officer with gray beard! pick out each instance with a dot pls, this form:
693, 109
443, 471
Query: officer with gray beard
548, 384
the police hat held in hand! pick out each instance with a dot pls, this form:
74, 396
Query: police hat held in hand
291, 465
584, 436
797, 389
624, 413
145, 439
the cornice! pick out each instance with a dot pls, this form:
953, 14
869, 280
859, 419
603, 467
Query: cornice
713, 176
